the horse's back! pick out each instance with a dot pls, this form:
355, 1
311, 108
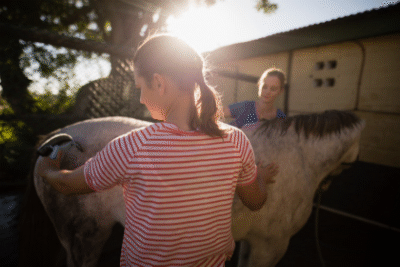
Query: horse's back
91, 215
91, 136
94, 134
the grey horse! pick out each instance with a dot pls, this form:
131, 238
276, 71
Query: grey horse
306, 147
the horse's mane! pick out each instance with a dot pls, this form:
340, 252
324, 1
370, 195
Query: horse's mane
318, 124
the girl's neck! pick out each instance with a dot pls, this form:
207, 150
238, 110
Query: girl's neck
179, 113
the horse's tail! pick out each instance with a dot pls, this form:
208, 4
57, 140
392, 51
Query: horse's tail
38, 241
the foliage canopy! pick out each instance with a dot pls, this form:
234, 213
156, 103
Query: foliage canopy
116, 22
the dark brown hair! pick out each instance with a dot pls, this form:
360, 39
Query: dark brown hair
168, 55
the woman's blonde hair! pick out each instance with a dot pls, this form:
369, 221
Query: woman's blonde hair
271, 72
168, 55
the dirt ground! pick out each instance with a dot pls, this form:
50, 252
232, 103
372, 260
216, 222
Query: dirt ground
369, 192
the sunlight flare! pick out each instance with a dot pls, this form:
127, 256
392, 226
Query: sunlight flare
207, 28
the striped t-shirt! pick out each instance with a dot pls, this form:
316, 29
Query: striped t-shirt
178, 191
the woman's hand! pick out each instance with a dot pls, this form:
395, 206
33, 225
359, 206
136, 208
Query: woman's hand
227, 112
267, 173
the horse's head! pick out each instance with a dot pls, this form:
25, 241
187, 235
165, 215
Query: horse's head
348, 159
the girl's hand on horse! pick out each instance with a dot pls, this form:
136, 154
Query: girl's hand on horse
67, 182
46, 166
268, 173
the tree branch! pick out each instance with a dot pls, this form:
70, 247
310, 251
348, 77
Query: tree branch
58, 40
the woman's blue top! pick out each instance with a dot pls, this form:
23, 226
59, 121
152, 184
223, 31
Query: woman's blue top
245, 112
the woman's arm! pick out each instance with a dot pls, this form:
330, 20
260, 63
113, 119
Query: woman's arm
227, 111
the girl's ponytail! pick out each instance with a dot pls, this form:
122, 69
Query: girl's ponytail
209, 106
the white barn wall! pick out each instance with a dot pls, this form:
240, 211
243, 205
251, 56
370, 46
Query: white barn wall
306, 96
380, 83
379, 102
372, 91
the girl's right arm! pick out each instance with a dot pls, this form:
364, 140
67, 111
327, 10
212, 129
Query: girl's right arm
250, 189
254, 195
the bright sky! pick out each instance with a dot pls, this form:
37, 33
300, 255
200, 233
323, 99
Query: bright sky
234, 21
228, 22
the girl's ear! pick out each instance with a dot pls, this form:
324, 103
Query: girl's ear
159, 83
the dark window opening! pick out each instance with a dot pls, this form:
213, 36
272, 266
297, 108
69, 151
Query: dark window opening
332, 64
319, 65
317, 82
330, 82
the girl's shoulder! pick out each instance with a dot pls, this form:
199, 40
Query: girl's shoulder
142, 133
232, 133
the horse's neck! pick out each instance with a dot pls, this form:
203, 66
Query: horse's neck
325, 152
303, 162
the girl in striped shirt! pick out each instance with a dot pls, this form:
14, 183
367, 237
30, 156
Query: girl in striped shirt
179, 176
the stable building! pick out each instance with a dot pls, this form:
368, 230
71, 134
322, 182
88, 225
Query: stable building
349, 63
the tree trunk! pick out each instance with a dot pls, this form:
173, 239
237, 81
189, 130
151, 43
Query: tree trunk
13, 80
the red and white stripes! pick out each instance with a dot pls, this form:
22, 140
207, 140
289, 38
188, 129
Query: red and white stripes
178, 190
